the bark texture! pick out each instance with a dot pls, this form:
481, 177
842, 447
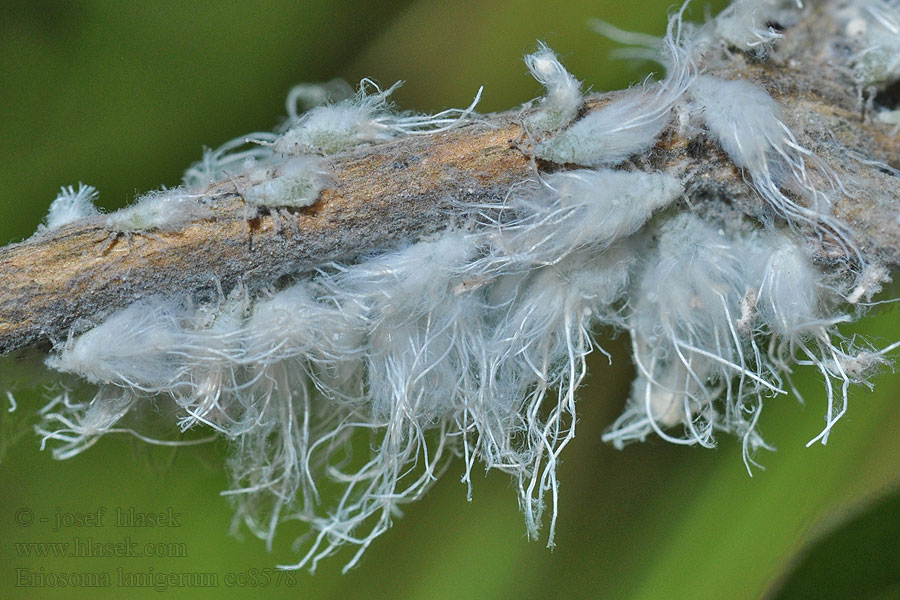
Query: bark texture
390, 194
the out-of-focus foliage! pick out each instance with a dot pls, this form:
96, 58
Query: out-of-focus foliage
123, 96
859, 559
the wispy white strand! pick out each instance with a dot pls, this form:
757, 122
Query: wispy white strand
746, 121
631, 123
69, 206
563, 100
472, 343
365, 118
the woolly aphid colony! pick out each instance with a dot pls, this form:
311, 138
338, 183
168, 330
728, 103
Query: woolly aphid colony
472, 343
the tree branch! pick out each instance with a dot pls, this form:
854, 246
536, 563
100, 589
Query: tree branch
393, 193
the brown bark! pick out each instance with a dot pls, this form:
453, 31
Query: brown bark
393, 193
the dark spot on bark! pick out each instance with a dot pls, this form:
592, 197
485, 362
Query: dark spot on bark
696, 148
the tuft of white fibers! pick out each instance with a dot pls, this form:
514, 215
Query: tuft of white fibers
613, 204
717, 318
365, 118
535, 357
631, 123
563, 100
869, 283
743, 118
747, 122
791, 297
305, 96
876, 25
575, 209
472, 342
686, 345
69, 206
229, 159
335, 120
746, 25
164, 210
446, 347
294, 183
130, 348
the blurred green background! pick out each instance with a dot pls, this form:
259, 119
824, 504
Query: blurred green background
124, 96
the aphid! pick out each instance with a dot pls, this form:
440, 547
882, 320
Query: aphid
472, 341
69, 206
365, 118
747, 122
563, 99
580, 208
229, 159
305, 96
165, 210
160, 211
294, 183
631, 123
745, 25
